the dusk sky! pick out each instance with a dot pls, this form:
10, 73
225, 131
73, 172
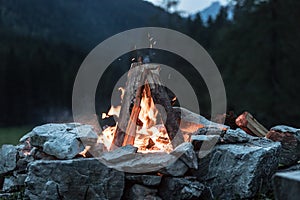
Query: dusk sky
191, 6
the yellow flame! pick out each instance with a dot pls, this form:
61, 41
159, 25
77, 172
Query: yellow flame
151, 134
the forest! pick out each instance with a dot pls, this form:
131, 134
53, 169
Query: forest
43, 43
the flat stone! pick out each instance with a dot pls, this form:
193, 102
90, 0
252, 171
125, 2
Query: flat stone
84, 178
8, 158
147, 180
236, 136
126, 159
188, 116
63, 141
185, 152
239, 170
287, 185
181, 188
14, 183
289, 138
120, 154
139, 192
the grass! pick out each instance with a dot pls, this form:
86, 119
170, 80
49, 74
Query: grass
11, 135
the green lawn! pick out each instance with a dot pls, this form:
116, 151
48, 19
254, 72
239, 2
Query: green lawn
11, 135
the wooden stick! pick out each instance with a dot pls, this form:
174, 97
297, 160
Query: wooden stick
126, 128
131, 128
250, 125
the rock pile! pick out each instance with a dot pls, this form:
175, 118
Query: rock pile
48, 164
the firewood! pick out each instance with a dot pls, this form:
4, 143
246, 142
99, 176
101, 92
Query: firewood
250, 125
147, 74
132, 84
131, 127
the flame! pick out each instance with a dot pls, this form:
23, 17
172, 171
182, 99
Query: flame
112, 111
108, 136
148, 111
122, 90
151, 134
84, 152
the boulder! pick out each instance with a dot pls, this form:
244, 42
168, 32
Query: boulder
289, 138
204, 142
178, 168
139, 192
287, 185
63, 141
8, 158
147, 180
84, 178
236, 136
185, 152
9, 196
14, 183
172, 188
239, 170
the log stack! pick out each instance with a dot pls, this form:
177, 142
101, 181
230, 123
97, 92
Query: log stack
144, 78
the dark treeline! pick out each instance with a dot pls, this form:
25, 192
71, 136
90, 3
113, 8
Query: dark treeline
42, 47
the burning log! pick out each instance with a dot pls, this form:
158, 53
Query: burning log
250, 125
131, 128
143, 86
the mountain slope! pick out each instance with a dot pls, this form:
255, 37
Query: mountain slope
79, 23
213, 10
210, 11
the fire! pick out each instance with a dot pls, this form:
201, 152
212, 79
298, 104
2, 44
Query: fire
112, 111
148, 111
151, 134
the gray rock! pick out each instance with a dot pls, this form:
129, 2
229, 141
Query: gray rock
185, 152
63, 141
84, 178
283, 129
139, 192
191, 117
291, 168
120, 154
287, 185
204, 142
289, 138
239, 170
13, 195
178, 168
236, 136
125, 159
14, 183
148, 180
181, 188
211, 130
8, 158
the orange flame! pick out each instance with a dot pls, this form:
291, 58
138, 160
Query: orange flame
112, 111
151, 134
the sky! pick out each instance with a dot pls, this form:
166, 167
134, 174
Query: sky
191, 6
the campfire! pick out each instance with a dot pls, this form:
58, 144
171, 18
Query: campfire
154, 151
145, 118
